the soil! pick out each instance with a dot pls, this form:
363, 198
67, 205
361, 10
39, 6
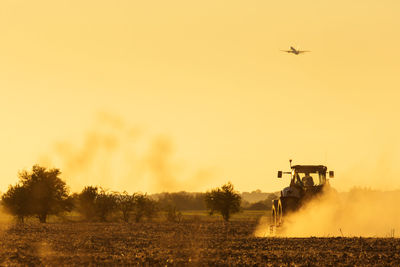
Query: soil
184, 243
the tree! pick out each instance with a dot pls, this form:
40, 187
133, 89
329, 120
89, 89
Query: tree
95, 203
106, 204
86, 202
126, 204
16, 202
224, 200
47, 193
151, 208
144, 206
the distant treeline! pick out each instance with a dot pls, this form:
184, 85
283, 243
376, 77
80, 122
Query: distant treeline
255, 200
180, 200
41, 193
258, 200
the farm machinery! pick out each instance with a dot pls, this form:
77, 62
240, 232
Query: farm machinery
307, 182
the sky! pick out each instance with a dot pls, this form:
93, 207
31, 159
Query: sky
185, 95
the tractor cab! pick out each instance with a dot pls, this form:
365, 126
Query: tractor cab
307, 181
308, 175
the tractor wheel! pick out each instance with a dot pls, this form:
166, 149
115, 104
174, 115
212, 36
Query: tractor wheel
274, 218
279, 218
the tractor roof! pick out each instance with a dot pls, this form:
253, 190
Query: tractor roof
310, 168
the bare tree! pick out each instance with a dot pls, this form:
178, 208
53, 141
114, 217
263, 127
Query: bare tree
126, 204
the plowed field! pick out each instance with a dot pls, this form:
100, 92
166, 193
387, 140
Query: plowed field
184, 243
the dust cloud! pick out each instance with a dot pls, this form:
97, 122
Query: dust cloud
358, 212
5, 220
159, 162
379, 172
117, 156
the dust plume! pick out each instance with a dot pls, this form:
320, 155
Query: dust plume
379, 172
118, 156
358, 212
159, 162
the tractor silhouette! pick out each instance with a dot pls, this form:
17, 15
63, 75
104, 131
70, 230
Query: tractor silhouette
307, 182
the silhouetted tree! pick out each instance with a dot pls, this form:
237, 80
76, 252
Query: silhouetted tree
224, 200
86, 202
48, 194
16, 202
106, 203
126, 204
95, 203
151, 208
144, 206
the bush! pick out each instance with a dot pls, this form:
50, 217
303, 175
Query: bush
224, 200
95, 203
126, 204
106, 204
144, 207
173, 215
86, 202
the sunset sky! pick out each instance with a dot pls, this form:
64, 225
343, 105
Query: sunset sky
187, 95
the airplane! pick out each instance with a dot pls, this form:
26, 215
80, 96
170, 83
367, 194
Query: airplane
295, 51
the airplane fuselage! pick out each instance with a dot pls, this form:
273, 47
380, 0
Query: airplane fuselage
295, 51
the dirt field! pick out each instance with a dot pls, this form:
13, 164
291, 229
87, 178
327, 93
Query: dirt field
187, 243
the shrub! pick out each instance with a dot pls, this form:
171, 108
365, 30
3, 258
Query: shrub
86, 202
106, 204
126, 204
173, 215
224, 200
95, 203
144, 207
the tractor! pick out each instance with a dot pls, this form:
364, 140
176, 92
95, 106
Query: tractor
307, 182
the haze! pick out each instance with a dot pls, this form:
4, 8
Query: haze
206, 86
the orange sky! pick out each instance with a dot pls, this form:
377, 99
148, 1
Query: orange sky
209, 77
